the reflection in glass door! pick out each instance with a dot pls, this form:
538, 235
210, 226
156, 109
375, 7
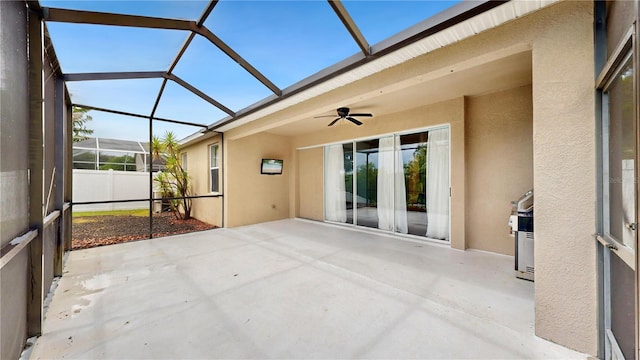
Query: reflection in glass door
348, 179
413, 148
367, 183
396, 183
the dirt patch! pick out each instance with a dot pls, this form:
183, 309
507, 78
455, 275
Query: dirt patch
92, 231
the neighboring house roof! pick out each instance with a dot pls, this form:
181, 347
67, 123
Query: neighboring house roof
104, 144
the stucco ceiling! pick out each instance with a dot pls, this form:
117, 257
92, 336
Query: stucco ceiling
505, 73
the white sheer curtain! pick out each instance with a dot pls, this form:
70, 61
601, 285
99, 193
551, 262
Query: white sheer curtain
391, 188
335, 203
438, 184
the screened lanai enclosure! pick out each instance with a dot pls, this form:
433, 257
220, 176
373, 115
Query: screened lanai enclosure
143, 70
185, 99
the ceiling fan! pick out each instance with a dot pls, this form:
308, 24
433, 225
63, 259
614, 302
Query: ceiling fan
343, 113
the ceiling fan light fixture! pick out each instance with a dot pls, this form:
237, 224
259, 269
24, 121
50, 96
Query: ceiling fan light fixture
343, 113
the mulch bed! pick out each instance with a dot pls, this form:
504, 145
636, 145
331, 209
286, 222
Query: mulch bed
92, 231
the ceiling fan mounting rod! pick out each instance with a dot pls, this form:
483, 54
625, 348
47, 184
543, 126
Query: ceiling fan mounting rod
343, 111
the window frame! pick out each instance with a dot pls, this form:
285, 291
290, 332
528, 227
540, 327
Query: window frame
211, 167
183, 161
622, 53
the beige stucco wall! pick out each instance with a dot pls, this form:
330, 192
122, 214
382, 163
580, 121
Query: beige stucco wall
249, 196
560, 39
311, 184
208, 210
564, 148
499, 164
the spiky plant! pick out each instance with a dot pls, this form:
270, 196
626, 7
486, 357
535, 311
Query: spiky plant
174, 182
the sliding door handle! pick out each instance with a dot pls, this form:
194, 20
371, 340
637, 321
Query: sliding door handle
608, 244
631, 226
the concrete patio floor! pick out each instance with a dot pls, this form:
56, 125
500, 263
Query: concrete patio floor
290, 289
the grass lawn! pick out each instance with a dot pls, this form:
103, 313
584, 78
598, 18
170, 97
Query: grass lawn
139, 212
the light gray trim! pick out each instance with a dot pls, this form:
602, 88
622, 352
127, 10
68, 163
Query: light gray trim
202, 95
113, 75
616, 58
24, 242
351, 26
101, 18
50, 218
605, 161
607, 300
614, 348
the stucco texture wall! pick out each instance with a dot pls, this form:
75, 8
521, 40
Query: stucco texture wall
560, 40
564, 155
208, 210
310, 184
251, 197
499, 147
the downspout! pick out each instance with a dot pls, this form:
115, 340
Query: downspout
224, 163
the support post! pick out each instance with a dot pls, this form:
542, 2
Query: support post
60, 147
36, 140
68, 172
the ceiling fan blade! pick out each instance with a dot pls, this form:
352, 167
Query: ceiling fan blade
321, 116
365, 115
354, 120
334, 121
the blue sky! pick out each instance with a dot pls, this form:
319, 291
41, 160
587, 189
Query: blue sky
285, 40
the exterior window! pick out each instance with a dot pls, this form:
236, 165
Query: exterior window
183, 161
214, 168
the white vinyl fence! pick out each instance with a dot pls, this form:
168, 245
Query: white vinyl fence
108, 185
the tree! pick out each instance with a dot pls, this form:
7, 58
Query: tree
367, 183
416, 173
80, 119
174, 182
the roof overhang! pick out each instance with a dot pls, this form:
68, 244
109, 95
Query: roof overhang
453, 25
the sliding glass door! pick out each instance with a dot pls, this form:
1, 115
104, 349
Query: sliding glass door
396, 183
367, 183
338, 183
413, 148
